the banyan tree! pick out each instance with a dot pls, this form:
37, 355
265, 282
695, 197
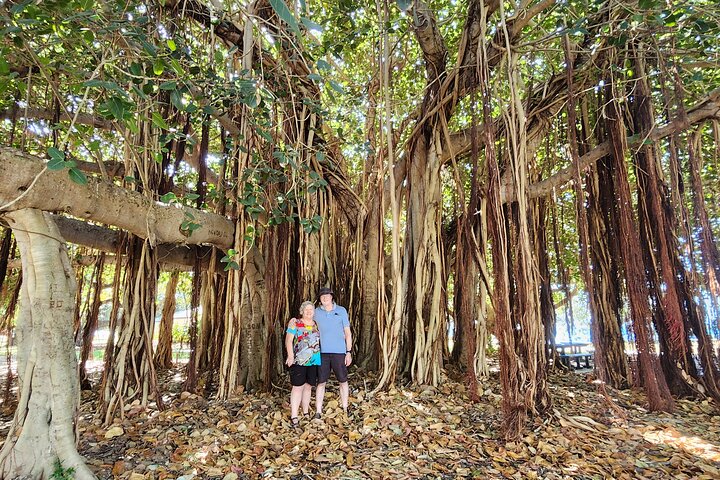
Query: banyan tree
454, 170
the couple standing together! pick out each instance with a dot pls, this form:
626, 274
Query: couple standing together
316, 343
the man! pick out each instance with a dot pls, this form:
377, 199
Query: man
335, 347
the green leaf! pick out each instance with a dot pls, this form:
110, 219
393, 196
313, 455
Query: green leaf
159, 122
4, 67
232, 265
285, 14
249, 233
171, 85
56, 154
94, 83
336, 86
169, 197
136, 69
132, 125
57, 159
251, 101
323, 65
192, 196
158, 67
19, 7
77, 176
171, 44
315, 77
176, 98
264, 134
116, 107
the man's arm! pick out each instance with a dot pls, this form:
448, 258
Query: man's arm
348, 346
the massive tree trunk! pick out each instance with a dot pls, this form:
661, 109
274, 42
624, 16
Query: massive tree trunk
371, 286
43, 428
241, 366
424, 306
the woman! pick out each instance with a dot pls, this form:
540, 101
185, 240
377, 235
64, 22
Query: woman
302, 342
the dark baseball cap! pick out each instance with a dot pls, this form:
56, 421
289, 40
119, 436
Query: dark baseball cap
326, 291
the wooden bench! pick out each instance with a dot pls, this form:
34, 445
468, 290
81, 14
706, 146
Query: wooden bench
566, 358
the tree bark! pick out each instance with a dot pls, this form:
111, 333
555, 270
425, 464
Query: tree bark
129, 368
43, 428
213, 313
705, 109
605, 252
27, 185
649, 366
163, 353
424, 304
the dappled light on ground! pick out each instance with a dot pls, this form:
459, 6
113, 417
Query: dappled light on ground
698, 446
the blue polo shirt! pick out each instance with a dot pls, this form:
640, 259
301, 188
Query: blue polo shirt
332, 328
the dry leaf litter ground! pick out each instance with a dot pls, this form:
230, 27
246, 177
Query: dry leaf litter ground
409, 432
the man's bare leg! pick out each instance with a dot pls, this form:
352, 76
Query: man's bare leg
344, 395
319, 397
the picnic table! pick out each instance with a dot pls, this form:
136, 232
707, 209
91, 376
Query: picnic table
573, 352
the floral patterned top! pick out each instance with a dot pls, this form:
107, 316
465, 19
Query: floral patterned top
306, 344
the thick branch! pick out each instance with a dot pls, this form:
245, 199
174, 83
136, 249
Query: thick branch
44, 114
430, 40
108, 240
708, 108
106, 203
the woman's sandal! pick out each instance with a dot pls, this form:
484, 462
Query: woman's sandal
294, 422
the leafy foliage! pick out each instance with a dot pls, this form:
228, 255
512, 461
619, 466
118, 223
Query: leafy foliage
61, 473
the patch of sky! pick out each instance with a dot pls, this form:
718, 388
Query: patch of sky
162, 31
39, 128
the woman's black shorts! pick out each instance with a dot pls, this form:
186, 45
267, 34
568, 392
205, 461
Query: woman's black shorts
301, 374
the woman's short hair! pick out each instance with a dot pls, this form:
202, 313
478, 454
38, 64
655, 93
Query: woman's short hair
305, 304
